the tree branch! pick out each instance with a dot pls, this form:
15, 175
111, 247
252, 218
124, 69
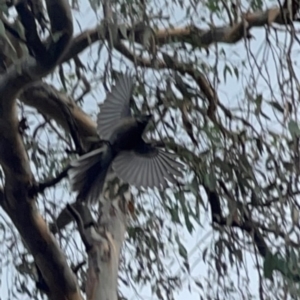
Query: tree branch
33, 40
80, 221
65, 217
52, 182
52, 103
61, 27
197, 37
106, 239
245, 225
13, 157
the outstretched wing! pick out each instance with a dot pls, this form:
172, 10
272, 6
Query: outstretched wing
147, 166
115, 106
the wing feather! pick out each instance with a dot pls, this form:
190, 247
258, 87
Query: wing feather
146, 173
154, 178
157, 172
143, 170
126, 164
151, 173
170, 164
135, 171
115, 106
163, 173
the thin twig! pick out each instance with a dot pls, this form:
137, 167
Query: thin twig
52, 182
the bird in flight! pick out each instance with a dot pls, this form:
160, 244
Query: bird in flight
132, 159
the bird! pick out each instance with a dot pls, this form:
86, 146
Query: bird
125, 151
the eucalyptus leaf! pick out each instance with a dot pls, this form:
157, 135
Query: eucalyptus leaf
294, 129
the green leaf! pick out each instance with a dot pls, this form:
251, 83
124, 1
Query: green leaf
236, 72
258, 102
95, 4
269, 265
259, 145
226, 69
212, 5
294, 129
194, 186
277, 106
167, 59
147, 36
123, 31
182, 251
4, 8
180, 196
257, 5
2, 29
57, 35
210, 181
174, 214
264, 115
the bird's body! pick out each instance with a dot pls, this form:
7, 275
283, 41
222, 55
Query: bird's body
128, 134
131, 158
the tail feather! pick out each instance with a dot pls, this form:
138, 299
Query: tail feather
87, 174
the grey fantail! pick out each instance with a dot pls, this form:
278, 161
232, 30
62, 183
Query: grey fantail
131, 158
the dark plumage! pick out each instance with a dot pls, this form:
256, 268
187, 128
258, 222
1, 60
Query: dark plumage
133, 160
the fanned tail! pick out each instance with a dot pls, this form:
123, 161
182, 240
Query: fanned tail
87, 174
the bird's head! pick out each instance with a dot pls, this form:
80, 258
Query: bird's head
143, 119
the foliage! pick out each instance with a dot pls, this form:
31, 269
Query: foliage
231, 114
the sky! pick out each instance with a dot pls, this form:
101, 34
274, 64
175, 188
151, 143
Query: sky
229, 93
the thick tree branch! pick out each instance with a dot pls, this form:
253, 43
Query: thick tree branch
50, 102
61, 27
103, 241
18, 177
106, 240
17, 77
197, 37
226, 34
29, 70
83, 41
33, 40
